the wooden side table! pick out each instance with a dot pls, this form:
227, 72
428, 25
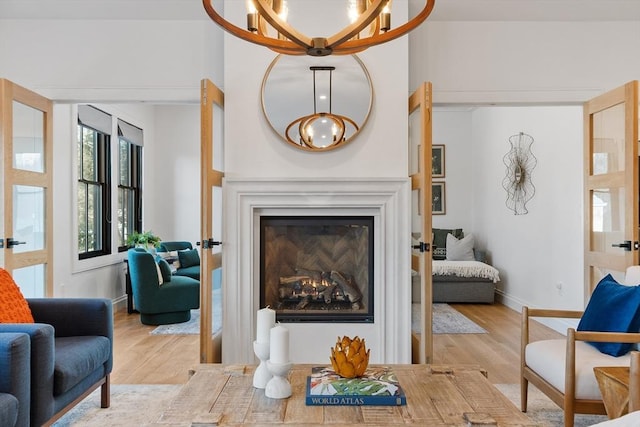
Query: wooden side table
620, 387
614, 386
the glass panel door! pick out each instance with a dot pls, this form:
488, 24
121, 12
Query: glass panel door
212, 167
420, 174
27, 200
611, 184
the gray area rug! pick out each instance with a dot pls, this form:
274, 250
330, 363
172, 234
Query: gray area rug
131, 405
193, 325
446, 320
541, 409
139, 405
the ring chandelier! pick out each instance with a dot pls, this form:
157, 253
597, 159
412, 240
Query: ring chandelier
370, 25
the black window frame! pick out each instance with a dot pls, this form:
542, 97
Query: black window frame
103, 181
134, 184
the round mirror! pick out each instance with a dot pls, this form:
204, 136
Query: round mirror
317, 103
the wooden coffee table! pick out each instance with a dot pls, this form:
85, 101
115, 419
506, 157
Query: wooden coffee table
436, 396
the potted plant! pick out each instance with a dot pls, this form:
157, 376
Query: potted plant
146, 239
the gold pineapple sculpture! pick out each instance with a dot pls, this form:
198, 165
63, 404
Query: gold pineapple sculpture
349, 357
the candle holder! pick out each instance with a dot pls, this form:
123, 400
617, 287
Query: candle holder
278, 387
262, 375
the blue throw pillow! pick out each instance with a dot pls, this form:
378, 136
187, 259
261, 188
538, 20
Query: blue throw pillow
612, 308
188, 258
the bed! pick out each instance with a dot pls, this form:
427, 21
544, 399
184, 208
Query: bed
464, 281
460, 272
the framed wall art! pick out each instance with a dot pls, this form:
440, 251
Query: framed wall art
437, 161
438, 206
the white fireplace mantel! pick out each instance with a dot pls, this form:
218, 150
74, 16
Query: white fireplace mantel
387, 200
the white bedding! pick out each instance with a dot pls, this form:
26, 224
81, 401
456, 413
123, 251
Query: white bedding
465, 269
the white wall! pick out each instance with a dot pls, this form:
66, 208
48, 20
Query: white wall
452, 128
537, 251
176, 173
524, 62
108, 60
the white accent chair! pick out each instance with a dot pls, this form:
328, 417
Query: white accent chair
563, 368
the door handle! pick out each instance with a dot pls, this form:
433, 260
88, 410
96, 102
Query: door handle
626, 245
209, 243
11, 242
422, 247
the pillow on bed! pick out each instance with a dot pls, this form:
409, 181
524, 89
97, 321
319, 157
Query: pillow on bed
460, 250
440, 241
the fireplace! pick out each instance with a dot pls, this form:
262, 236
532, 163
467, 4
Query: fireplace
317, 268
247, 200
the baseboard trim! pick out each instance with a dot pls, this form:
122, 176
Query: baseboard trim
558, 325
120, 303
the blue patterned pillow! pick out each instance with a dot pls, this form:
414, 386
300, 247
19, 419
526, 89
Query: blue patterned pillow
612, 308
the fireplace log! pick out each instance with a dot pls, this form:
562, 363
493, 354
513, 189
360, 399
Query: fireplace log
313, 286
315, 275
305, 301
354, 294
293, 279
285, 292
327, 293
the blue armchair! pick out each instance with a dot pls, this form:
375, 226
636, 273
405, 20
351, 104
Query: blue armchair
15, 358
159, 304
71, 355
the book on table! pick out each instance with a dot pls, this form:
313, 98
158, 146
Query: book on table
378, 386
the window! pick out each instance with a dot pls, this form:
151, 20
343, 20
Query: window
129, 182
94, 182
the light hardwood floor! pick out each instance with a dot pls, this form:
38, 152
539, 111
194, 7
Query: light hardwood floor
141, 358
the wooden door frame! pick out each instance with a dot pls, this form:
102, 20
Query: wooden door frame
420, 101
209, 178
627, 94
10, 92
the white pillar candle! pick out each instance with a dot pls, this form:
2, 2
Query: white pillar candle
279, 345
265, 321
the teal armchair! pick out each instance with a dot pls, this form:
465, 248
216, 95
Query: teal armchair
160, 303
174, 246
188, 258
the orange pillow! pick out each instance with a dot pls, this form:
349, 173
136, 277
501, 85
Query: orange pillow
13, 306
